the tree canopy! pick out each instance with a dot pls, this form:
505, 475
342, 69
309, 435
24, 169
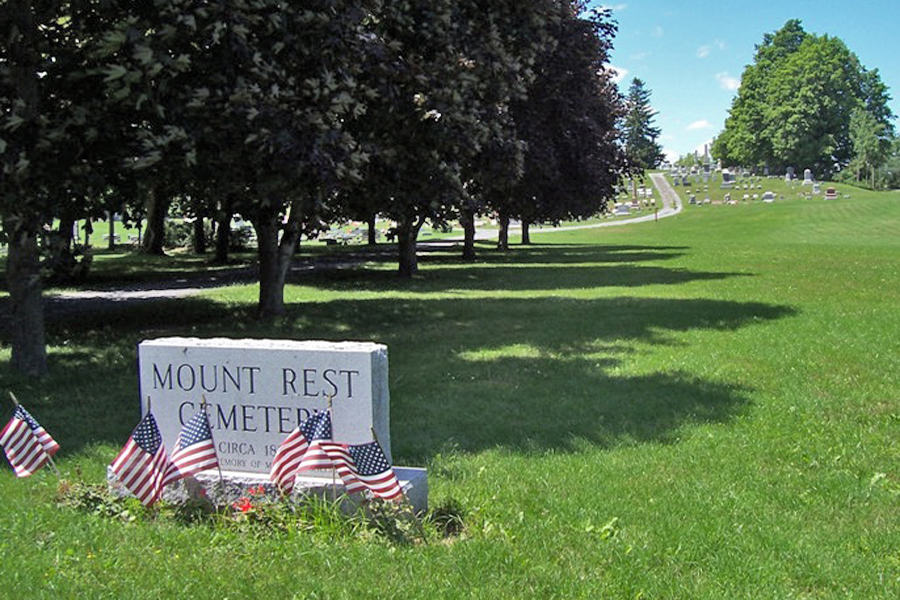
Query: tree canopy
294, 118
795, 104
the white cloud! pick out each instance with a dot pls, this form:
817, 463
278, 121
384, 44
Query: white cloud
639, 56
727, 82
701, 124
619, 73
671, 155
658, 31
613, 7
706, 49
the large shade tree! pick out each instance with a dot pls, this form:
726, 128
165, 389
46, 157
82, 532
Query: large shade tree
568, 121
251, 99
795, 103
54, 146
444, 78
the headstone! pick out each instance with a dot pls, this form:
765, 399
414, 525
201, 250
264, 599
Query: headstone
692, 199
768, 197
257, 391
623, 209
727, 198
831, 193
789, 174
727, 179
807, 177
816, 188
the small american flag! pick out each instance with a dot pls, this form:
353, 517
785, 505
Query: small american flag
364, 467
142, 464
194, 451
27, 445
293, 449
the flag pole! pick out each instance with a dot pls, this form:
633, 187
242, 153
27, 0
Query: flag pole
333, 470
203, 404
50, 458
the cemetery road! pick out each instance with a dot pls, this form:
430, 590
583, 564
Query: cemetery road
67, 303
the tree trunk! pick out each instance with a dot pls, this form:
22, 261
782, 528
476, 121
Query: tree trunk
223, 233
271, 297
503, 235
60, 256
154, 235
66, 230
373, 232
467, 219
526, 233
199, 237
275, 257
112, 231
23, 273
407, 234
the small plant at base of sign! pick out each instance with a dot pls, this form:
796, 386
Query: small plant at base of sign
262, 514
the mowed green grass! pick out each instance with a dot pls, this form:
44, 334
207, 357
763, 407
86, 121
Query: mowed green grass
703, 407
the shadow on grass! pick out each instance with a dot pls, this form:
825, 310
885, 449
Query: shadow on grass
537, 373
545, 267
524, 374
551, 253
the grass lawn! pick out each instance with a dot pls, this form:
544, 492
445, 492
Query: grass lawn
703, 407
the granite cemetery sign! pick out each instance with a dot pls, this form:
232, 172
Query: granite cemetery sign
257, 391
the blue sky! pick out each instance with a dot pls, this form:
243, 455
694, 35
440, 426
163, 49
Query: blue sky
691, 54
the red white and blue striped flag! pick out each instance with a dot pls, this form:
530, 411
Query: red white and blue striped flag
194, 451
364, 467
27, 445
293, 449
142, 464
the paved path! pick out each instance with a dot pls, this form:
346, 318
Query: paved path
671, 206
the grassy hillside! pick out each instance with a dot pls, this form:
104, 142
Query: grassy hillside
703, 407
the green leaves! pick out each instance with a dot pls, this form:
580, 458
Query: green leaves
795, 102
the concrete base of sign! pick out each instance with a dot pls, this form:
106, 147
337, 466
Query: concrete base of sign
235, 485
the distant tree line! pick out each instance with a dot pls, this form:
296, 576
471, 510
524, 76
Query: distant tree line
295, 116
808, 102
